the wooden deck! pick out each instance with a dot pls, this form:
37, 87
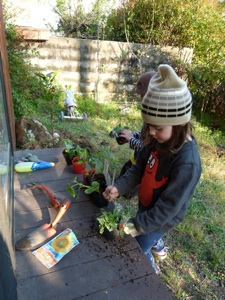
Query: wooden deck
96, 268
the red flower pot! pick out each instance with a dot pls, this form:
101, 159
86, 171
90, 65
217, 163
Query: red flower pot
78, 168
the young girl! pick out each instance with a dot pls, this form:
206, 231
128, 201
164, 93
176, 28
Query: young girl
168, 167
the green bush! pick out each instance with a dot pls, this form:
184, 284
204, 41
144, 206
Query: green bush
32, 91
196, 24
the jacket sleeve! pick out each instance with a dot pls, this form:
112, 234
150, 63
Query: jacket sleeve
135, 142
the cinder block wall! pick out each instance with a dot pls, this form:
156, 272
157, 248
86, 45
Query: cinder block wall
108, 70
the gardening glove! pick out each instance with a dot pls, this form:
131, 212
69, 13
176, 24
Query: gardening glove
129, 228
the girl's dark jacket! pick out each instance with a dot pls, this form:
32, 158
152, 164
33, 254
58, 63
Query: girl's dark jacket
167, 184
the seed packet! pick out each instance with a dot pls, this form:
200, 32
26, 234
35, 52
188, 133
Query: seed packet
53, 251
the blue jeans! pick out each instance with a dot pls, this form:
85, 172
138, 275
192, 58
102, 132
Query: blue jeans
151, 241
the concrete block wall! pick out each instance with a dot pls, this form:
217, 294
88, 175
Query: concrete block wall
108, 70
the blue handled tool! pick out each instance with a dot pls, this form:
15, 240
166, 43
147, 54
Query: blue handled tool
32, 166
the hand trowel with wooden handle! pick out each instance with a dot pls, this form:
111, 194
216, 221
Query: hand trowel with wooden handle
42, 233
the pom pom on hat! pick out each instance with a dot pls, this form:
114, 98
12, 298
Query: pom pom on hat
143, 81
168, 100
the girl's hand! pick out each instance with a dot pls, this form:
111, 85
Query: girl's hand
128, 228
110, 193
127, 134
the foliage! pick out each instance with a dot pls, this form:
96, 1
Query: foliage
207, 85
93, 108
33, 93
195, 24
10, 11
50, 103
110, 219
69, 147
75, 21
82, 153
119, 127
97, 159
174, 23
74, 189
24, 83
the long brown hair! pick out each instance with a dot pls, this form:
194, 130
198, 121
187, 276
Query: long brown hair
180, 134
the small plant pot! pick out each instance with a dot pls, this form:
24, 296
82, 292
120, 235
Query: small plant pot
67, 158
121, 140
78, 168
111, 235
97, 198
88, 173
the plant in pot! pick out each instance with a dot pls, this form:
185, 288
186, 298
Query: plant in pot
115, 133
95, 180
69, 151
109, 220
74, 189
80, 159
99, 163
93, 189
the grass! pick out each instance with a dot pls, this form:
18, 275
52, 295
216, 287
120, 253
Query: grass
194, 268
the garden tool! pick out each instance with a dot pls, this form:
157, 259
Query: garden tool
32, 166
54, 202
31, 157
42, 233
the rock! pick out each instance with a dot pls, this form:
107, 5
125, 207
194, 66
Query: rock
31, 134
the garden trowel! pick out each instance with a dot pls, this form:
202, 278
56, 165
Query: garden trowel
42, 233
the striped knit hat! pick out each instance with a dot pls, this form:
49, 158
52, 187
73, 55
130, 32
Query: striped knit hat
168, 100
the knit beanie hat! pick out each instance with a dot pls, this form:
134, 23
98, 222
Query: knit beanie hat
168, 100
143, 81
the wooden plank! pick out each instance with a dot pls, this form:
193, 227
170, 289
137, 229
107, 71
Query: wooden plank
31, 199
143, 288
91, 248
84, 279
39, 152
35, 218
43, 176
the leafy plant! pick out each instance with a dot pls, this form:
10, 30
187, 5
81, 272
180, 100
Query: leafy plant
98, 159
82, 154
74, 189
77, 21
119, 127
69, 147
110, 219
51, 100
115, 133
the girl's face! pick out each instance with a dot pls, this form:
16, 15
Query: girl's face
161, 133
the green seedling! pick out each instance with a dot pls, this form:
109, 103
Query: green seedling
74, 189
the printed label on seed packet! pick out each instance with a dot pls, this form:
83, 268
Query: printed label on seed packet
53, 251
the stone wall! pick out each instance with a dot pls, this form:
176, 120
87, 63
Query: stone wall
108, 70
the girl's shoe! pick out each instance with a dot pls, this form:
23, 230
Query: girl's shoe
160, 255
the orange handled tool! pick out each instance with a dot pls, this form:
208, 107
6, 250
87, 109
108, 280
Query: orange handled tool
42, 233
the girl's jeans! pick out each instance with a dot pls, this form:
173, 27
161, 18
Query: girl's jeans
151, 241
